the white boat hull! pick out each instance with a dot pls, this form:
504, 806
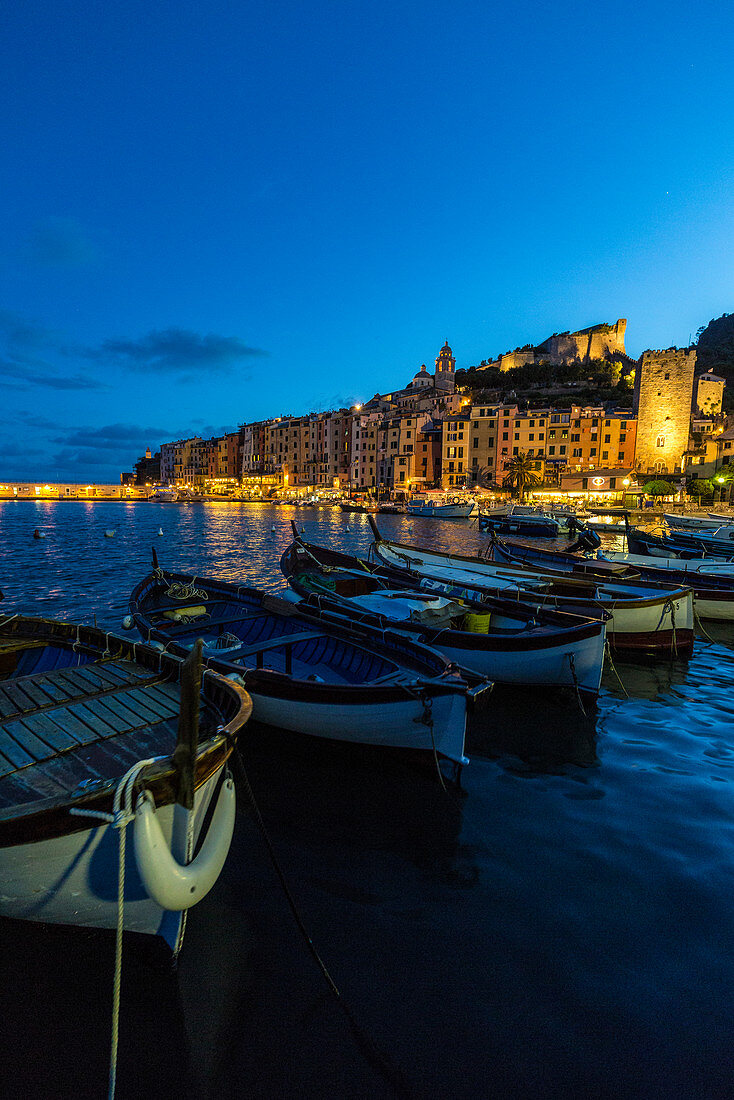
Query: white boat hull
548, 667
73, 879
440, 511
385, 724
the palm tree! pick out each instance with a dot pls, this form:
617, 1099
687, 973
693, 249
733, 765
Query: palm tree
520, 475
479, 477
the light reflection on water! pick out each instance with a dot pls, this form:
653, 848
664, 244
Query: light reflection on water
575, 909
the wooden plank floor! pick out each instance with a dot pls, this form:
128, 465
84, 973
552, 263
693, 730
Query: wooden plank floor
46, 714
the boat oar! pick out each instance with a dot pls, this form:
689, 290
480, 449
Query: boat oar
184, 755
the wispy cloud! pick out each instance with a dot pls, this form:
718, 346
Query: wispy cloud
60, 242
175, 350
25, 346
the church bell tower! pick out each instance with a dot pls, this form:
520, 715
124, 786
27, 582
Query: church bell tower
445, 366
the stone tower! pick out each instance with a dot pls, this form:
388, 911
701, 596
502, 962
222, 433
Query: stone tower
662, 403
444, 379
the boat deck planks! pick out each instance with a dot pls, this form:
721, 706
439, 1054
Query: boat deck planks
48, 713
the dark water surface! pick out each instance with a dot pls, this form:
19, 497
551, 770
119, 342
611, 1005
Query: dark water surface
562, 928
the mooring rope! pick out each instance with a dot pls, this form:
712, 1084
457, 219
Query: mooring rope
608, 652
121, 816
700, 626
574, 677
179, 590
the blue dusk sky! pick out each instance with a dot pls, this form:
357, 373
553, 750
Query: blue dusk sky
213, 213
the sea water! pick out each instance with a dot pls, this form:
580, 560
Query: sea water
562, 926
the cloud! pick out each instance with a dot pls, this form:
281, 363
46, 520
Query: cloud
118, 435
60, 242
9, 372
175, 350
24, 345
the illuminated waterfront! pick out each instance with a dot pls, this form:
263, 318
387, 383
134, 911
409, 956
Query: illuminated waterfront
561, 929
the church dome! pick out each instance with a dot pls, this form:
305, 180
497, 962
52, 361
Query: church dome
421, 372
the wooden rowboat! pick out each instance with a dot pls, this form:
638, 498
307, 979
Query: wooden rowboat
306, 675
645, 619
80, 711
516, 644
713, 597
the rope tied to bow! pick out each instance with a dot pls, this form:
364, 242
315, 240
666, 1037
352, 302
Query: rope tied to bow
121, 816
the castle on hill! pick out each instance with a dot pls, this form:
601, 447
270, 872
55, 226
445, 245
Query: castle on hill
601, 341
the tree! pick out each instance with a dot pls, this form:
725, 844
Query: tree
658, 489
520, 475
699, 487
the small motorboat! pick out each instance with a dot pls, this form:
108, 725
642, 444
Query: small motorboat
664, 543
97, 732
500, 639
440, 507
305, 674
709, 523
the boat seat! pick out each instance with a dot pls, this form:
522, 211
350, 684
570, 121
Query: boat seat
275, 643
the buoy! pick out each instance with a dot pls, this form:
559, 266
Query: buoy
160, 530
303, 529
109, 534
272, 530
39, 534
128, 622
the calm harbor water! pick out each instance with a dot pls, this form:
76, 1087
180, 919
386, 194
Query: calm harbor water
562, 927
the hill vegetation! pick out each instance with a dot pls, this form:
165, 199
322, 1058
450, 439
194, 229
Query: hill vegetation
594, 382
715, 353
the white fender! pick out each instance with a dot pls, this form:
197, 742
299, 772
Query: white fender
171, 884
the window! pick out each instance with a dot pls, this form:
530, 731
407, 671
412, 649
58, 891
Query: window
605, 455
517, 435
490, 443
531, 424
531, 435
551, 450
620, 456
505, 437
475, 442
564, 434
660, 441
607, 439
622, 437
552, 433
667, 376
592, 451
514, 450
612, 483
576, 452
461, 452
575, 437
541, 435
